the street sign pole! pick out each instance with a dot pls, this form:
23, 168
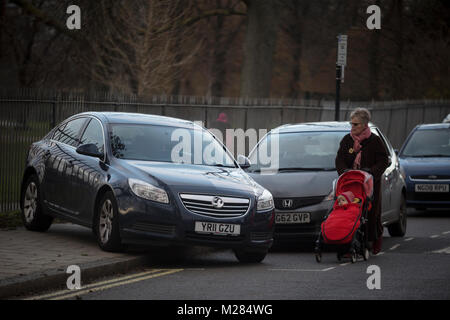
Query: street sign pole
341, 62
338, 93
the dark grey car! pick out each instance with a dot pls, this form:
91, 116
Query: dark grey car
302, 180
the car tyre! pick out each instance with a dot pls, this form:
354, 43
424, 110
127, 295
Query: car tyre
398, 229
32, 213
245, 256
107, 224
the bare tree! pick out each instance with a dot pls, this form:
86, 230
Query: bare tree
259, 47
132, 53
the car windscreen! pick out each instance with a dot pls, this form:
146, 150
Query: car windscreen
167, 144
308, 151
428, 143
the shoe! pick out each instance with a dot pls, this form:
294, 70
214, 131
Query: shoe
376, 248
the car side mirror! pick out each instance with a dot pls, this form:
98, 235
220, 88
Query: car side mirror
243, 161
89, 149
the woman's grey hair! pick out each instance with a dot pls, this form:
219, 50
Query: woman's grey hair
362, 114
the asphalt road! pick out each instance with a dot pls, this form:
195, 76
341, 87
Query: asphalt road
416, 266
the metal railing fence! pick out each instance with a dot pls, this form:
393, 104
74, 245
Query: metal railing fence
27, 115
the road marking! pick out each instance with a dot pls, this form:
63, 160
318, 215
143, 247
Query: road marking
344, 264
445, 250
94, 287
65, 291
394, 247
304, 270
434, 236
408, 239
446, 232
328, 269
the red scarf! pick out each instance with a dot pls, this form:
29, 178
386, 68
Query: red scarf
357, 145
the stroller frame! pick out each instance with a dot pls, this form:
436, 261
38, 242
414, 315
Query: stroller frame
358, 246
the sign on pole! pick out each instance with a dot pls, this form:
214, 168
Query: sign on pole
341, 62
342, 54
342, 50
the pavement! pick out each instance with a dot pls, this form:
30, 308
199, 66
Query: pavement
32, 262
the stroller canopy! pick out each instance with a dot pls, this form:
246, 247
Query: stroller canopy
357, 181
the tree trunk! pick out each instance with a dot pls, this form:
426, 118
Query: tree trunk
259, 47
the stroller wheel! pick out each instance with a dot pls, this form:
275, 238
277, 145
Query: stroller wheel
353, 256
366, 254
318, 257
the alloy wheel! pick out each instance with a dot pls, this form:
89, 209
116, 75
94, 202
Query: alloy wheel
30, 202
105, 223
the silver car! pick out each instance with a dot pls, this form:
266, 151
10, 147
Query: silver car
301, 181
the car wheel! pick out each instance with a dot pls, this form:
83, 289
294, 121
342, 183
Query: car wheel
398, 229
245, 256
107, 224
32, 214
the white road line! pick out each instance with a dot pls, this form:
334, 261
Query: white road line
394, 247
434, 236
408, 239
304, 270
344, 264
328, 269
446, 232
445, 250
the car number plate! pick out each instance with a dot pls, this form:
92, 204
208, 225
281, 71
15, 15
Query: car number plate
431, 188
218, 228
292, 217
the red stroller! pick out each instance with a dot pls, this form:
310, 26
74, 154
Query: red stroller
345, 227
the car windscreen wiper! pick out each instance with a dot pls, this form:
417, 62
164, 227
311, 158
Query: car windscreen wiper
221, 165
306, 169
431, 156
293, 169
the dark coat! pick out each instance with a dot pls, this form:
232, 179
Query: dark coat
374, 158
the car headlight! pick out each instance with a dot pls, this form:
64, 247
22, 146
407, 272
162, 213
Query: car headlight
265, 201
148, 191
330, 196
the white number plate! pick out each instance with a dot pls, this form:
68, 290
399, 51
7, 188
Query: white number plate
431, 187
218, 228
292, 217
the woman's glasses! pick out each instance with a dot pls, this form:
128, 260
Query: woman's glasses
355, 124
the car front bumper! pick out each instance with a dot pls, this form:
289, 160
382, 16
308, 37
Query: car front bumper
303, 232
150, 223
427, 199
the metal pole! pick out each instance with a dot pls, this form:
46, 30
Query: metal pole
338, 92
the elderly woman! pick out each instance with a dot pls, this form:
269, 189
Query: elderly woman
360, 149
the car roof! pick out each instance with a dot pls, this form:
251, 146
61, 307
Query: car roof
141, 118
316, 126
432, 126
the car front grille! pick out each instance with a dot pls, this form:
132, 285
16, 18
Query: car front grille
441, 196
203, 205
297, 202
155, 228
430, 177
214, 238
